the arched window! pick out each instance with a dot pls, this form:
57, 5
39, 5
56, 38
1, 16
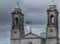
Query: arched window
30, 43
52, 19
16, 20
51, 30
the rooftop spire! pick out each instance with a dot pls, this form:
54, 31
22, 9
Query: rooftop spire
52, 2
28, 22
30, 30
17, 5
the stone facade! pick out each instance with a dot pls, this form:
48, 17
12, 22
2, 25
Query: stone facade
18, 35
30, 37
52, 25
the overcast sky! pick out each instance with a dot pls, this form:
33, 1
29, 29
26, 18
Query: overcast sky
34, 11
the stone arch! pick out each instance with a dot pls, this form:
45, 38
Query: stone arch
16, 20
52, 19
30, 43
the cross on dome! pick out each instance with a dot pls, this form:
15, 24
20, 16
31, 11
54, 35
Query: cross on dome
17, 5
52, 2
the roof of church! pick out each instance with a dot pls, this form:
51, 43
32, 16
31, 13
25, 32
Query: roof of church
36, 36
43, 33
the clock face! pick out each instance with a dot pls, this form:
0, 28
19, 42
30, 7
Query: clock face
15, 32
50, 30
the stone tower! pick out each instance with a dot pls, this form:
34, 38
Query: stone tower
17, 25
52, 26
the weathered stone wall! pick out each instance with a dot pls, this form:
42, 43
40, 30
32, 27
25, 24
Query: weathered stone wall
34, 41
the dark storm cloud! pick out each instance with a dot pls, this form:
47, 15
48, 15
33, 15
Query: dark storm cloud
5, 34
32, 7
36, 18
4, 31
34, 11
6, 7
37, 15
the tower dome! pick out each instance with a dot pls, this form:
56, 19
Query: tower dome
43, 33
52, 2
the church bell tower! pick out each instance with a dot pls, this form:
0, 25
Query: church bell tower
52, 26
17, 25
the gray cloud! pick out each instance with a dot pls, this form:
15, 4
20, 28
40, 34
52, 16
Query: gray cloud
28, 7
5, 34
34, 11
36, 18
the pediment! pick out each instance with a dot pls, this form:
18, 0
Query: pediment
30, 35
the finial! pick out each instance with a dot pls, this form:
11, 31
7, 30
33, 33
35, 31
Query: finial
30, 29
29, 23
17, 6
52, 2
